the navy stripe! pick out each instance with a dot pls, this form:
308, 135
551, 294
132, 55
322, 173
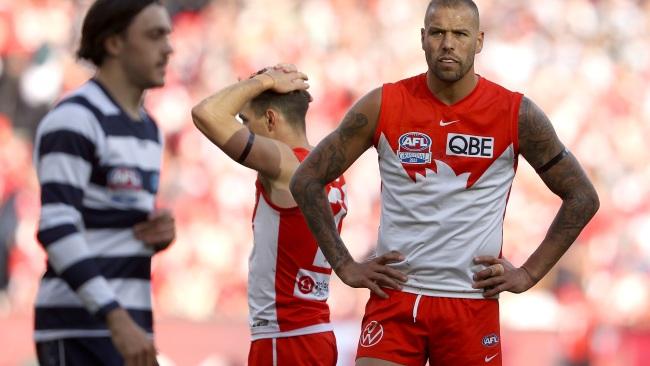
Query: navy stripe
79, 318
120, 124
112, 218
69, 142
61, 193
123, 126
103, 311
82, 101
149, 178
79, 273
51, 235
116, 267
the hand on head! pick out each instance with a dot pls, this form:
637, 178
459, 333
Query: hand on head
285, 77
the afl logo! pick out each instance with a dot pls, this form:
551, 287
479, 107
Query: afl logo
124, 179
490, 340
414, 148
371, 334
306, 284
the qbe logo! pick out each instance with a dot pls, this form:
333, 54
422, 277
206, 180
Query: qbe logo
414, 148
470, 146
490, 340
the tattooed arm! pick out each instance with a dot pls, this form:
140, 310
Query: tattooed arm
563, 175
325, 163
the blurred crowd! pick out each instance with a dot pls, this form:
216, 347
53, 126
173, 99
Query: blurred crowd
586, 63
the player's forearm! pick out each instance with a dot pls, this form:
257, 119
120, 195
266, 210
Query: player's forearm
309, 193
215, 115
574, 214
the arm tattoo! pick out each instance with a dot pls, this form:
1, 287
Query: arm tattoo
544, 168
323, 165
563, 175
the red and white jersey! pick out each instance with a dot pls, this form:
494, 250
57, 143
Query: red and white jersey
288, 280
446, 173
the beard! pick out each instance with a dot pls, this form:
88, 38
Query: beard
449, 75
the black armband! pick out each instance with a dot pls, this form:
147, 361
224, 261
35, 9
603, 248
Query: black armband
544, 168
247, 149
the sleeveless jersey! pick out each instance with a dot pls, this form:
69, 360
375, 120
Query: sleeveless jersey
288, 282
446, 173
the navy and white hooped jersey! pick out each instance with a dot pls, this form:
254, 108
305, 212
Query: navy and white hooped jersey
98, 170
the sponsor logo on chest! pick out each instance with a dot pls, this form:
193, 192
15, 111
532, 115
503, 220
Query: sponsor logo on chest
470, 146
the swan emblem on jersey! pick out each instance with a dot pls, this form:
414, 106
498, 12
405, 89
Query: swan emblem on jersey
414, 148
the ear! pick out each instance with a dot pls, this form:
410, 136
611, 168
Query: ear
272, 117
479, 41
422, 37
113, 44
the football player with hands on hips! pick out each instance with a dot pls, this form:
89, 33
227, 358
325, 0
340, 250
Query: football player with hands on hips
448, 142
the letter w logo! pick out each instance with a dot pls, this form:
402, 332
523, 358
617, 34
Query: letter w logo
372, 334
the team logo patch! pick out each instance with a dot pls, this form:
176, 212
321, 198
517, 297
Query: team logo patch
470, 146
372, 333
306, 284
414, 148
312, 285
490, 340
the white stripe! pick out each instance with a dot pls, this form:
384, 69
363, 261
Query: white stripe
115, 243
130, 293
275, 352
67, 251
261, 278
316, 328
96, 293
64, 168
98, 98
70, 117
98, 197
51, 335
125, 148
56, 214
415, 308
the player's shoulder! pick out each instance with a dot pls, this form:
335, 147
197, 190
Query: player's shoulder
493, 87
79, 111
408, 83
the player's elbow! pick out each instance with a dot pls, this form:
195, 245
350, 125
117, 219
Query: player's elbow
199, 116
587, 201
593, 202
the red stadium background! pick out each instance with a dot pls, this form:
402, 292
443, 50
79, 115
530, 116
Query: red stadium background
585, 62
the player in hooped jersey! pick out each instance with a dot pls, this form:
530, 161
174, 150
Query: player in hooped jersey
98, 156
448, 142
288, 281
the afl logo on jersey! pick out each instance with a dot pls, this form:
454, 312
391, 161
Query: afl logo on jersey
414, 148
124, 179
490, 340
